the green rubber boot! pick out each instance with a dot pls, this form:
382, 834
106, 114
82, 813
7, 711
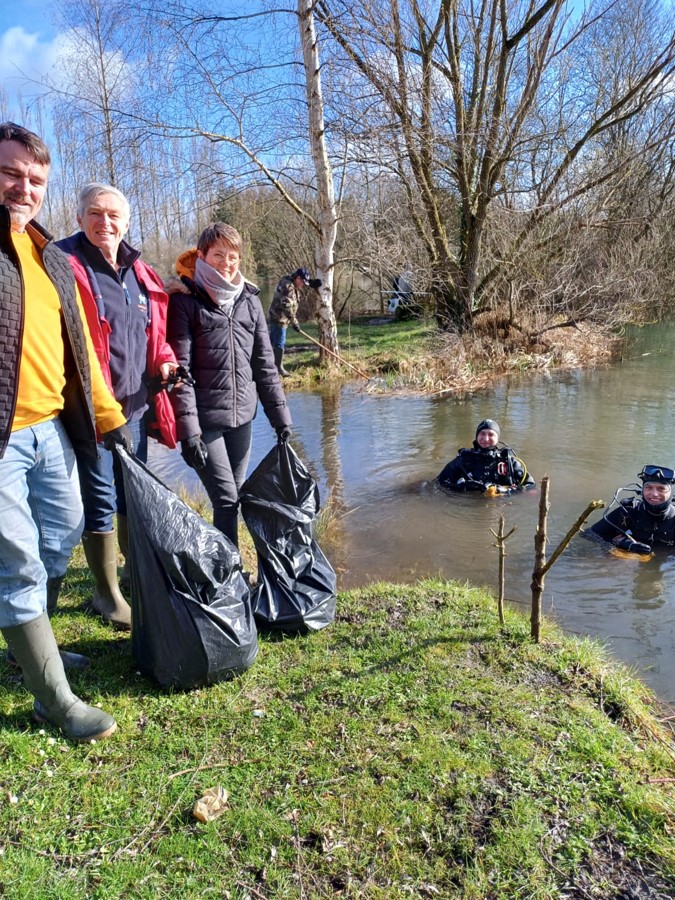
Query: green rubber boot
34, 647
279, 362
123, 541
100, 548
69, 660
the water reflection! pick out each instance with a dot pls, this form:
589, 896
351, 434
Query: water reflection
591, 432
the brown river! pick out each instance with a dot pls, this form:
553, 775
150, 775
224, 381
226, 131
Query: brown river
591, 432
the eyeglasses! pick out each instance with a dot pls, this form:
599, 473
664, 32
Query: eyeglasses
658, 472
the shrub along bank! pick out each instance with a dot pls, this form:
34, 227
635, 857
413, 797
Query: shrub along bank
410, 750
415, 356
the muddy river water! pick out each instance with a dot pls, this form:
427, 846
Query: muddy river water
590, 431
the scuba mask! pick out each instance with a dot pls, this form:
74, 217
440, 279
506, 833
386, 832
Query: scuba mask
657, 475
660, 474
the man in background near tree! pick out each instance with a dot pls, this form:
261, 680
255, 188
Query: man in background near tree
52, 393
284, 310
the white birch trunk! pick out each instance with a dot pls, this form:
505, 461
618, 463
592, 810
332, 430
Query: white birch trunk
327, 218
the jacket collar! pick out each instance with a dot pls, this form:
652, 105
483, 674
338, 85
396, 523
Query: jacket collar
38, 234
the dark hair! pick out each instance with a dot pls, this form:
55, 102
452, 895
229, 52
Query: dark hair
37, 148
219, 231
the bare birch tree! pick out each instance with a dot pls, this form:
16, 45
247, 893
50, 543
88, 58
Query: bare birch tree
222, 84
327, 214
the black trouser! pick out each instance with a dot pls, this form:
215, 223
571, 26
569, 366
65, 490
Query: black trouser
224, 474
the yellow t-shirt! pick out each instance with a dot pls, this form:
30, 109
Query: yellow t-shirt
42, 365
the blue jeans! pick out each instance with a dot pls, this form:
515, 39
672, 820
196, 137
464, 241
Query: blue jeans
40, 518
278, 336
101, 481
224, 474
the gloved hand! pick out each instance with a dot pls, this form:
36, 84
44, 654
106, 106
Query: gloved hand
283, 433
121, 436
194, 452
295, 326
315, 283
628, 544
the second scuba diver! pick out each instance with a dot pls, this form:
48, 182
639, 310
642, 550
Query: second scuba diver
486, 466
637, 523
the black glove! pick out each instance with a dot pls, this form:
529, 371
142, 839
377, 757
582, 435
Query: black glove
315, 283
121, 436
283, 433
295, 326
626, 543
180, 375
194, 452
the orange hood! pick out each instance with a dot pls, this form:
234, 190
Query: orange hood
186, 262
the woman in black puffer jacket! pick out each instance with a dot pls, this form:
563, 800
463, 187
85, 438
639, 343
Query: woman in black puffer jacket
216, 327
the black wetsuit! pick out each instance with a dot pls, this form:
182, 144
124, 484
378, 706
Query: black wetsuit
474, 469
640, 521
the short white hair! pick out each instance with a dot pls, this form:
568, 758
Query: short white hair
93, 190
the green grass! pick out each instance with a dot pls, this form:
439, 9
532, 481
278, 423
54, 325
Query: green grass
412, 749
380, 348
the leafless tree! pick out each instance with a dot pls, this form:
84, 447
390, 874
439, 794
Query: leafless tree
484, 104
254, 94
513, 155
96, 97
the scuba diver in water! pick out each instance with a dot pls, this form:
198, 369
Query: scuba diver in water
637, 523
486, 466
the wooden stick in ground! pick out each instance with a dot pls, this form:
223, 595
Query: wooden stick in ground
541, 565
593, 505
539, 562
332, 353
501, 539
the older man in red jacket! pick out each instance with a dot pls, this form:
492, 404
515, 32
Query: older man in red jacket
126, 309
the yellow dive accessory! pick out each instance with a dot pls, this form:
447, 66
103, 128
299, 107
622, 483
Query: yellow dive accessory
636, 557
522, 480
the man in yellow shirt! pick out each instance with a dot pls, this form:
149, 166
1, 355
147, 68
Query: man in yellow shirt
52, 394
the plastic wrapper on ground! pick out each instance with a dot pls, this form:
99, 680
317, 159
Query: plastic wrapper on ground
296, 583
211, 804
192, 622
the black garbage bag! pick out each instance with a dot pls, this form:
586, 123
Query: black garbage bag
192, 622
296, 583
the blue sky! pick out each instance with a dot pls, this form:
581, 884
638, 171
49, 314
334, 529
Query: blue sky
27, 43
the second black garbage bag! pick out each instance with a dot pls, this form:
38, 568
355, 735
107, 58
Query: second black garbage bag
296, 583
192, 622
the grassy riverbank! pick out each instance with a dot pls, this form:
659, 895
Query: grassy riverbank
415, 356
410, 750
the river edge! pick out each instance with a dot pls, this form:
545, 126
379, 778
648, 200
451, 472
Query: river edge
418, 359
412, 748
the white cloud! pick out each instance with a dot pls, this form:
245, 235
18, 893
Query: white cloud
24, 59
